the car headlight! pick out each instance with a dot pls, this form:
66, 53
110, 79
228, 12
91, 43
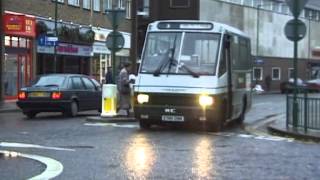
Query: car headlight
205, 100
142, 98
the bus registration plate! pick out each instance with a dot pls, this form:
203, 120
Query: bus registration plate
171, 118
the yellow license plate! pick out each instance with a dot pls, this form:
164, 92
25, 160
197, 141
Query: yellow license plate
38, 94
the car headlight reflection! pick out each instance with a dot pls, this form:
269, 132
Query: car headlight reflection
205, 100
142, 98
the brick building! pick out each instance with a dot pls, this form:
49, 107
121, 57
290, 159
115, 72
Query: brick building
82, 28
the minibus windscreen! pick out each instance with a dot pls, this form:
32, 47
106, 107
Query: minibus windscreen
193, 53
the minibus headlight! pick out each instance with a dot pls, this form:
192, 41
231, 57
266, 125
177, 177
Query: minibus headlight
205, 100
142, 98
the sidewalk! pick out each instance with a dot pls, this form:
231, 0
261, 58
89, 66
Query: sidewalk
120, 118
8, 106
279, 127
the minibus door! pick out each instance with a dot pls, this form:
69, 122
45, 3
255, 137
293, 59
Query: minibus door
229, 76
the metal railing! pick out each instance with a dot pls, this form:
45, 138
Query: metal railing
308, 111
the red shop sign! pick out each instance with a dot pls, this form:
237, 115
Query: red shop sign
19, 25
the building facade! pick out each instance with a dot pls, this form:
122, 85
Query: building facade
31, 33
262, 20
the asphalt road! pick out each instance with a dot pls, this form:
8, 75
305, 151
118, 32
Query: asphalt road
123, 151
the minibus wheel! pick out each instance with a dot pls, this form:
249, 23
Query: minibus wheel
144, 125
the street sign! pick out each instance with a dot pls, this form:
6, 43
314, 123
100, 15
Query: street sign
289, 30
296, 6
119, 41
47, 41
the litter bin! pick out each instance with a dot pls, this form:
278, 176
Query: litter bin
109, 100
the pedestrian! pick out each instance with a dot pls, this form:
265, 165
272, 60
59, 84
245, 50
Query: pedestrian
268, 82
108, 77
124, 90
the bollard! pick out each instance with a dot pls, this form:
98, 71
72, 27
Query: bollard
109, 100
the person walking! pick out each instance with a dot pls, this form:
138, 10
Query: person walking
124, 90
108, 77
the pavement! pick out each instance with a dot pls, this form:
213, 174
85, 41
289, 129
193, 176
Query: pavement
279, 127
8, 106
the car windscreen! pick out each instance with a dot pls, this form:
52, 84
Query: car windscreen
181, 53
46, 81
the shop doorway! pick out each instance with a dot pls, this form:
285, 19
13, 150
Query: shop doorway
16, 74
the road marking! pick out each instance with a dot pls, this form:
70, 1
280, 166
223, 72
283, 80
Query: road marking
53, 167
113, 125
254, 136
23, 145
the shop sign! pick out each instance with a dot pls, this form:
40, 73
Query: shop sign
19, 25
66, 49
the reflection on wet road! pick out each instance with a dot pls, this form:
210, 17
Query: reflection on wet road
203, 158
139, 157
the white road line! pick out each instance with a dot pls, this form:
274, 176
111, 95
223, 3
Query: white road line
113, 125
53, 167
23, 145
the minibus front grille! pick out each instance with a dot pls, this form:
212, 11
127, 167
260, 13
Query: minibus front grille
173, 100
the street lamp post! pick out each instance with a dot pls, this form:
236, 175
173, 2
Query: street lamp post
114, 15
56, 35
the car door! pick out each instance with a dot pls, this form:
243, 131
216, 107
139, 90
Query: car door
92, 93
79, 91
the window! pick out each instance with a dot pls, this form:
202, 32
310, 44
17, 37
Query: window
257, 73
276, 73
121, 4
179, 3
86, 4
77, 83
73, 2
96, 5
128, 10
60, 1
89, 85
107, 4
290, 73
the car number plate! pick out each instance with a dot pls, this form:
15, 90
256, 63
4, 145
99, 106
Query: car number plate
38, 94
171, 118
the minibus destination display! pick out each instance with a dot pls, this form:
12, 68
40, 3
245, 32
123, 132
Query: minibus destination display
185, 25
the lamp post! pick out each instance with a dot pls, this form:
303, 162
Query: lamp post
309, 35
115, 15
56, 35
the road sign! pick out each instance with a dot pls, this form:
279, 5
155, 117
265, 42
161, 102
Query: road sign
296, 6
47, 41
289, 30
119, 41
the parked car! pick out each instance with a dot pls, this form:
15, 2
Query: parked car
66, 93
313, 85
288, 86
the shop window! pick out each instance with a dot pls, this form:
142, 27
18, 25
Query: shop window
22, 42
179, 3
276, 73
257, 73
7, 41
14, 41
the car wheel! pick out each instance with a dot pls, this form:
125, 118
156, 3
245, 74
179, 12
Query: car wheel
144, 124
31, 114
73, 109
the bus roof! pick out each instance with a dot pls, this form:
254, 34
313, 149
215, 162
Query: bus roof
193, 25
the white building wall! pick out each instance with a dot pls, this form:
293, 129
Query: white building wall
272, 41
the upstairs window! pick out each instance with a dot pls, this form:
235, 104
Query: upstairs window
74, 2
179, 3
96, 5
107, 4
86, 4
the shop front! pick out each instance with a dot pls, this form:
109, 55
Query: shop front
19, 36
102, 61
71, 58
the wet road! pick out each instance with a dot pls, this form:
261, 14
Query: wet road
123, 151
